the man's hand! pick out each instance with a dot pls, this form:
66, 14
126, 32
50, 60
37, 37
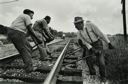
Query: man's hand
93, 50
110, 46
31, 32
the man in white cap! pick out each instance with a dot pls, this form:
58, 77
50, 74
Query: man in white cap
90, 39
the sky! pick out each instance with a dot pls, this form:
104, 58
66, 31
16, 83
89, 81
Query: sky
106, 14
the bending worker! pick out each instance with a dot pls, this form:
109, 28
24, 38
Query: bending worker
42, 31
90, 39
17, 34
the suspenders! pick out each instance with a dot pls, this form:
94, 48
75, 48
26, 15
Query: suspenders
89, 35
84, 38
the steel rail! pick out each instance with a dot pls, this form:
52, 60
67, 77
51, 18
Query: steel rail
52, 77
70, 53
35, 46
17, 54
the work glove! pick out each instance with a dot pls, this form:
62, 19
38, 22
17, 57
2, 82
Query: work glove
110, 46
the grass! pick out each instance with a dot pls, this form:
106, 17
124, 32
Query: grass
117, 61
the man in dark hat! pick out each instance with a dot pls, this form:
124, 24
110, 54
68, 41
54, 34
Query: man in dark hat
90, 39
41, 29
17, 34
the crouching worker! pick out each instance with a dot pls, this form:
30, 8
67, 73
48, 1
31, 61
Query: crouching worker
90, 39
17, 34
42, 31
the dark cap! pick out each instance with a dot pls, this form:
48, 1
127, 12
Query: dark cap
27, 11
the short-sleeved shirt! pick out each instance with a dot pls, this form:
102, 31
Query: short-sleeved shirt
21, 22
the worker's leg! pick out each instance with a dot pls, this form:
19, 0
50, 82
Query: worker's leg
101, 64
89, 62
19, 40
29, 47
100, 58
41, 47
47, 50
42, 51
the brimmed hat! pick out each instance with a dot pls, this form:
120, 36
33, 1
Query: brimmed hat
78, 19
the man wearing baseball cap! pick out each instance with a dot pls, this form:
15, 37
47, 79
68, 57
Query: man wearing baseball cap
90, 39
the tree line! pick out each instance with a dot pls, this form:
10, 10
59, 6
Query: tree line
60, 33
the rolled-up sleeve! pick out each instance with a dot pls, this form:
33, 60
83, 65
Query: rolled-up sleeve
87, 45
84, 42
27, 20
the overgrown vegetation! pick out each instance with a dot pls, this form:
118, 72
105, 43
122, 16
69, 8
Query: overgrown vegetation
117, 61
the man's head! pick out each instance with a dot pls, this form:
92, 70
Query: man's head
48, 19
29, 12
79, 23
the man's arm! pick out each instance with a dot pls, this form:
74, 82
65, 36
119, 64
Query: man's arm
47, 33
81, 43
44, 26
49, 29
88, 45
31, 32
99, 33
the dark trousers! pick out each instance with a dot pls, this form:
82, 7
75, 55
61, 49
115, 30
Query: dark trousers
41, 47
22, 45
99, 59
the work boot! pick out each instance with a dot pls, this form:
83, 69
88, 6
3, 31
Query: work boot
29, 70
50, 54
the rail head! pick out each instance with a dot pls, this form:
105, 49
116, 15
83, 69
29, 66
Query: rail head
52, 77
35, 46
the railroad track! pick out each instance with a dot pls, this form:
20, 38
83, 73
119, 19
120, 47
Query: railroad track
60, 70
